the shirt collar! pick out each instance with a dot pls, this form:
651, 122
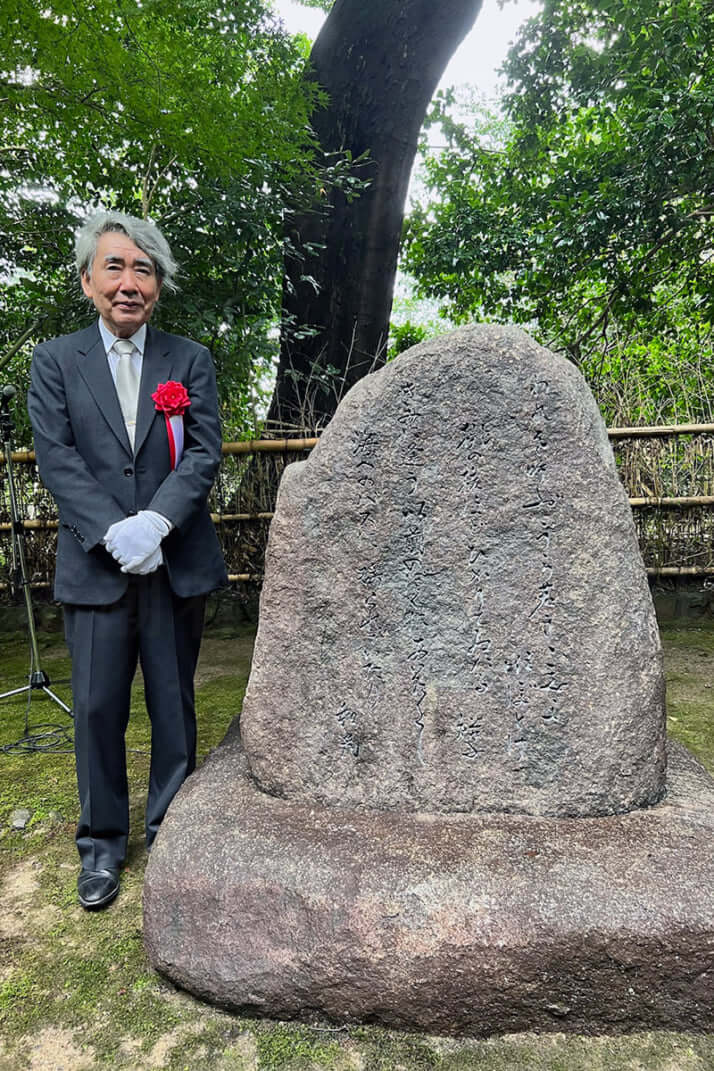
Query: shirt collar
138, 338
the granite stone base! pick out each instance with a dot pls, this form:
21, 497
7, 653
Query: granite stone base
450, 924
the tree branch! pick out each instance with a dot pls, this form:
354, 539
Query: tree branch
20, 342
145, 195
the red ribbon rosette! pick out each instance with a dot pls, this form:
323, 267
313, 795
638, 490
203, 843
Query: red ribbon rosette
172, 400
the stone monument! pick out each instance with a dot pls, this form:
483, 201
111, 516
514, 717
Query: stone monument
447, 805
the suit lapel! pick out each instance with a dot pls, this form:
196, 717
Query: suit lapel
94, 369
155, 369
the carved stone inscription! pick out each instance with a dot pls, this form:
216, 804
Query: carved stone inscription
455, 616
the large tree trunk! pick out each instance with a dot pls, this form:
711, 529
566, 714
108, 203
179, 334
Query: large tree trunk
380, 62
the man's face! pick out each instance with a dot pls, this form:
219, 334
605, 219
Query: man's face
123, 285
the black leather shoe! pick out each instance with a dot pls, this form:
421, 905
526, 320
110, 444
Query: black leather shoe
97, 888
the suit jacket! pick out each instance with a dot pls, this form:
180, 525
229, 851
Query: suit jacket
85, 460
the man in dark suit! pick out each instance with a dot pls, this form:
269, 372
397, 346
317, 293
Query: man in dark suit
137, 551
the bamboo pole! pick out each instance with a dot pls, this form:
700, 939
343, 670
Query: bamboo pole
660, 431
269, 446
681, 570
34, 584
250, 446
682, 503
229, 518
233, 577
217, 518
23, 456
36, 524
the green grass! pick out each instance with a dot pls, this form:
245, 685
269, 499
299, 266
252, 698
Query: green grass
76, 990
690, 688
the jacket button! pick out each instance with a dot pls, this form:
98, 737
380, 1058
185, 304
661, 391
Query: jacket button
128, 471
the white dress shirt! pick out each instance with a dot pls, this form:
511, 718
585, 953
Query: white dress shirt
137, 357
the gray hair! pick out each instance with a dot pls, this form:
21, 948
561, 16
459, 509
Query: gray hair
143, 234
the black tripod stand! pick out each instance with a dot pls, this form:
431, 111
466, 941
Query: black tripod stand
38, 679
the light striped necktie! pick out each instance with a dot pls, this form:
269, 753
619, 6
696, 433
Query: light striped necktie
127, 384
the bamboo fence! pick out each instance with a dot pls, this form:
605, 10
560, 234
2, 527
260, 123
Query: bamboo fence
668, 472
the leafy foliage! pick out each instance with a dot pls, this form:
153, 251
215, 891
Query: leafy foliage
588, 212
406, 335
194, 114
451, 244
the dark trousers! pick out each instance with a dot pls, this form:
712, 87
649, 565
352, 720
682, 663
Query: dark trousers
163, 632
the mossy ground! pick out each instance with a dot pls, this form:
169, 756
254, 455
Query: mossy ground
76, 991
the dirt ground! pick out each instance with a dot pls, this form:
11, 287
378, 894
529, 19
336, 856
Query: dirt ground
76, 991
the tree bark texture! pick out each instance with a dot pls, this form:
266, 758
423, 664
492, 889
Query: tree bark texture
379, 62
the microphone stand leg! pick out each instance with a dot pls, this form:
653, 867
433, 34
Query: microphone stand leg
57, 700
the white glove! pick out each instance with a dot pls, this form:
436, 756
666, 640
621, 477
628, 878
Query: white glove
135, 539
147, 566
